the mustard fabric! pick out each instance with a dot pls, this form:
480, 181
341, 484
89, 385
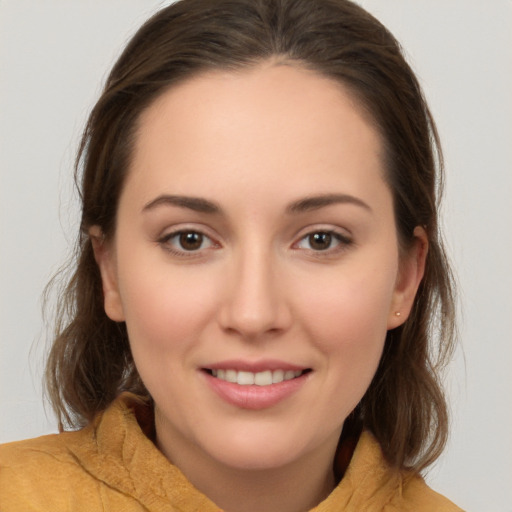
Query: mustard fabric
112, 465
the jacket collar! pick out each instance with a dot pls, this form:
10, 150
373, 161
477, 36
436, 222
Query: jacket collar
117, 449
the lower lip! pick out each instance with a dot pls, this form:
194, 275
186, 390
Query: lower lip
255, 397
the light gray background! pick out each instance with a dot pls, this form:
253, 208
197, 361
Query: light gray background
54, 56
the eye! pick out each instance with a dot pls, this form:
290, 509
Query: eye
319, 241
186, 241
190, 241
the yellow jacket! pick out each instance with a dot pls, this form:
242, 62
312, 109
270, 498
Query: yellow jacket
112, 465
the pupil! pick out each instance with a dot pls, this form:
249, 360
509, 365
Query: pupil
191, 241
320, 241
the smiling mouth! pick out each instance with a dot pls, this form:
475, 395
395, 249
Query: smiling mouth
264, 378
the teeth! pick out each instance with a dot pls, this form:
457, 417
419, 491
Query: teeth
277, 376
289, 374
265, 378
231, 375
245, 378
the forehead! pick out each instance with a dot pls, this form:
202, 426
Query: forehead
272, 123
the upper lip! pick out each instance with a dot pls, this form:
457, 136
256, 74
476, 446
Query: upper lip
255, 366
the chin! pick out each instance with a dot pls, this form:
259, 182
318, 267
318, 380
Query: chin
256, 451
255, 458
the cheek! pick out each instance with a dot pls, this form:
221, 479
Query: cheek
165, 307
347, 320
352, 306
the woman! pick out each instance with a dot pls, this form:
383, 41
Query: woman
260, 275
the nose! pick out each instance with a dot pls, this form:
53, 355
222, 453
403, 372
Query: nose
255, 301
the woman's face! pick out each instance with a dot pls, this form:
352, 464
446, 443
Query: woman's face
256, 264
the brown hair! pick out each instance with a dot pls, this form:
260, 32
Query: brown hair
90, 362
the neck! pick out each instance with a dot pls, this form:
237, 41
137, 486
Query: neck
284, 490
295, 487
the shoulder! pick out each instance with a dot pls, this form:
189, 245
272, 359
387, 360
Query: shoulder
370, 480
41, 471
89, 469
416, 496
370, 483
42, 453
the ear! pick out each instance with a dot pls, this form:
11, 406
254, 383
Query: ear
105, 259
410, 274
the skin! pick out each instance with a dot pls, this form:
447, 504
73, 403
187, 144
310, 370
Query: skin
256, 144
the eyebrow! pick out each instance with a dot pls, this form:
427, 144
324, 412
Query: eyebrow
321, 201
201, 205
196, 204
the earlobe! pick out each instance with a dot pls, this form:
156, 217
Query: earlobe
412, 269
105, 259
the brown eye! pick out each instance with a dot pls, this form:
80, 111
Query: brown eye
328, 242
320, 241
190, 240
187, 243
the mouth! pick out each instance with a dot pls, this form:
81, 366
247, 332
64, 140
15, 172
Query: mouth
262, 378
256, 385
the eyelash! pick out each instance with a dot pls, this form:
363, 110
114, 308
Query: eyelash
342, 242
166, 242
